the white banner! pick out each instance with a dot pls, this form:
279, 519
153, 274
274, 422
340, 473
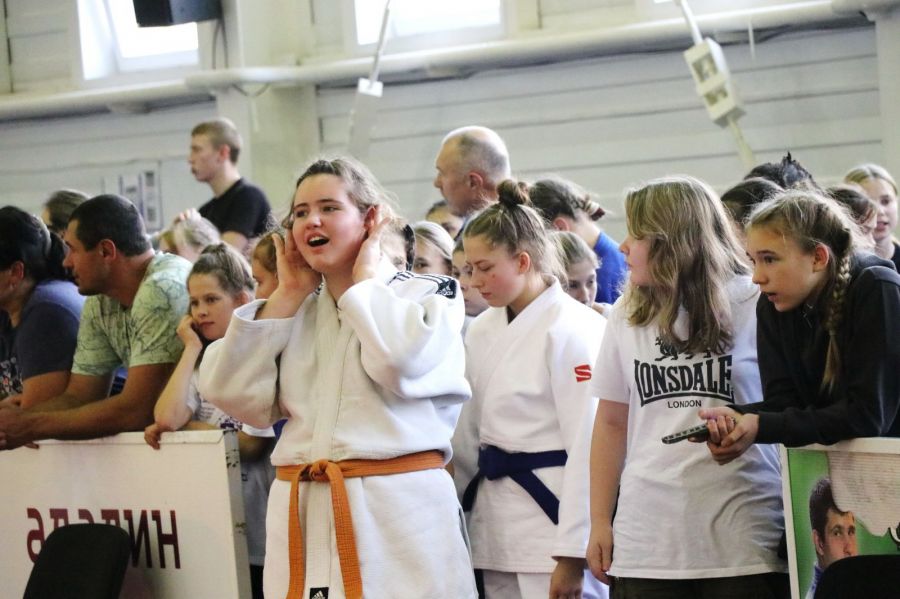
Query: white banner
181, 506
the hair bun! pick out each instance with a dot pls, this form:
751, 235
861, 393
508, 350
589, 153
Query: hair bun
513, 193
594, 210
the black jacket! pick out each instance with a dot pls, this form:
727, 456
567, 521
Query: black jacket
792, 347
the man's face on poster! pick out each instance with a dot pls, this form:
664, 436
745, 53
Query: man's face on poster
839, 540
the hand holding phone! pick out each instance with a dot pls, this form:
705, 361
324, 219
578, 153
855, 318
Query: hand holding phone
697, 433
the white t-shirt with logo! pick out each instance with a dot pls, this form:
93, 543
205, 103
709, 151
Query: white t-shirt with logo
680, 515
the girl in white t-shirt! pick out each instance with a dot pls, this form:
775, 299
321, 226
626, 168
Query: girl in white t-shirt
682, 337
529, 360
219, 282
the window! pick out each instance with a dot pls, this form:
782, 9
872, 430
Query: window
428, 23
113, 44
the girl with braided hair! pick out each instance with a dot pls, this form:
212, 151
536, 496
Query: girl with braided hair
827, 320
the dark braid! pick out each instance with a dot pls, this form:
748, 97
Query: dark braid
812, 220
835, 317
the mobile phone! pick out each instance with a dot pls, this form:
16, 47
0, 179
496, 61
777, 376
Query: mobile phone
699, 432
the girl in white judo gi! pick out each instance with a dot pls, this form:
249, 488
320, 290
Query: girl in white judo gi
529, 362
367, 365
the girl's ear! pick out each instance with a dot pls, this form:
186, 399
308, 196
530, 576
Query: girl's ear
561, 224
17, 272
523, 262
370, 217
821, 256
244, 297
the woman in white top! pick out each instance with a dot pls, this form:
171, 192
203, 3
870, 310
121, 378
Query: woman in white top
682, 337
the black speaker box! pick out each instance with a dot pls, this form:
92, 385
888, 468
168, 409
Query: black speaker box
157, 13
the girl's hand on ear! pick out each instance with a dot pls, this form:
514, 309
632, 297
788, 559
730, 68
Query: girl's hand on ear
296, 280
369, 256
188, 334
295, 277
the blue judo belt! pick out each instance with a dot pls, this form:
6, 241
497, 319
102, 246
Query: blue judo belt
494, 463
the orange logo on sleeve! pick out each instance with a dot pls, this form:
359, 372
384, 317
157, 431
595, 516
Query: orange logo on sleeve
583, 373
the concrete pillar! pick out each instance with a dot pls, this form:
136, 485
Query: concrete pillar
887, 40
279, 124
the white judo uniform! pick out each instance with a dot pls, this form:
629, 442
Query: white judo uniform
378, 375
531, 381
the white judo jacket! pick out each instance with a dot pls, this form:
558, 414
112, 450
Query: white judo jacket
378, 375
531, 380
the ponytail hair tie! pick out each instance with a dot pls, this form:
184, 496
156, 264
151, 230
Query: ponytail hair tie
594, 210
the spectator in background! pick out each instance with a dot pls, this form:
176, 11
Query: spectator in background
471, 163
879, 185
440, 213
786, 174
59, 207
136, 299
862, 209
238, 208
434, 249
188, 237
581, 265
39, 310
743, 197
399, 244
219, 282
263, 265
565, 207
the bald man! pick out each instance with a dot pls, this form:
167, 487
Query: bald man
470, 165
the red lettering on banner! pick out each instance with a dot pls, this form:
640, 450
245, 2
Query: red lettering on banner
138, 528
36, 535
142, 533
60, 517
110, 517
583, 373
163, 539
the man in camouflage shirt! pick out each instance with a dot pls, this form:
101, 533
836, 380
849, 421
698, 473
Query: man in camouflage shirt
136, 299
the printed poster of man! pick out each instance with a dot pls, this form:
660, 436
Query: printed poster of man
842, 500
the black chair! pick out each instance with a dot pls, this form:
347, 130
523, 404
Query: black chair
83, 561
861, 577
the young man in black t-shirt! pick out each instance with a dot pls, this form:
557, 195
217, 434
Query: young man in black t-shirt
239, 209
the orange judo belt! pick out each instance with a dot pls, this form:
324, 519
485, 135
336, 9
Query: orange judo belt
334, 473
